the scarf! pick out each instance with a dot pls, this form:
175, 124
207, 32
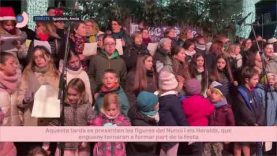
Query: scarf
74, 71
41, 70
220, 103
190, 53
9, 83
104, 89
43, 36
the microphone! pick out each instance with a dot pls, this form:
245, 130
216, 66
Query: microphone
243, 19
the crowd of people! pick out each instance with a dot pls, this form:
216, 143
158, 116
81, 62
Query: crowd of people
190, 80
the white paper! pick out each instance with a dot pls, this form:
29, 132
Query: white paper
43, 43
118, 46
268, 146
152, 47
46, 103
90, 49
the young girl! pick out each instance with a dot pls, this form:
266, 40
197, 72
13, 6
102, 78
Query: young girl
143, 77
189, 47
77, 112
111, 85
222, 74
10, 77
197, 71
75, 70
110, 115
39, 71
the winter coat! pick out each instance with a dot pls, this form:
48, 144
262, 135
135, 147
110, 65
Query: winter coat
151, 85
171, 114
197, 110
12, 115
31, 82
109, 148
79, 115
245, 112
123, 100
101, 62
271, 113
7, 149
81, 74
130, 56
162, 60
222, 116
141, 148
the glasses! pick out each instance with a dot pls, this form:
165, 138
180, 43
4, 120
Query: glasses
109, 44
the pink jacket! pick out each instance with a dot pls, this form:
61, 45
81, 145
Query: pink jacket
197, 110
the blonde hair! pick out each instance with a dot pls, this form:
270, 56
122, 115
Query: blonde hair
78, 85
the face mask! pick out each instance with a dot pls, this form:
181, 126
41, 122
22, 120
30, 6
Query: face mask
43, 37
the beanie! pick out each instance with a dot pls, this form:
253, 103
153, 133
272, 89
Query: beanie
146, 101
167, 81
193, 87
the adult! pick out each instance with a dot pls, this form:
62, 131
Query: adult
108, 58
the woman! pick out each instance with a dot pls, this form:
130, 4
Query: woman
39, 71
162, 56
142, 78
137, 48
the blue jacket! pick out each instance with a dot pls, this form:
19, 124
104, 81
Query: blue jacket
271, 114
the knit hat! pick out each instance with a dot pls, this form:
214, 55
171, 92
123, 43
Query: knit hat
193, 87
7, 13
167, 81
146, 101
218, 88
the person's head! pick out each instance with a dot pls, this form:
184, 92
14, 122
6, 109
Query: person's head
37, 151
100, 42
234, 49
200, 40
79, 29
193, 87
189, 45
217, 47
42, 32
8, 64
7, 19
165, 43
269, 50
116, 26
167, 81
221, 62
110, 79
247, 44
51, 11
76, 92
271, 79
170, 32
73, 61
111, 105
40, 58
250, 77
223, 38
137, 38
145, 33
59, 24
179, 54
186, 33
147, 103
145, 62
109, 44
216, 94
92, 27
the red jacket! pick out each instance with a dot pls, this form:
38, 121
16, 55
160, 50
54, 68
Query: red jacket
197, 110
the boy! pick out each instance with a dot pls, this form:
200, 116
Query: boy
248, 107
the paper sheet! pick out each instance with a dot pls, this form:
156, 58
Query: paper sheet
43, 43
152, 47
90, 49
46, 103
119, 47
27, 43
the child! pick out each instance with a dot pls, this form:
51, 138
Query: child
110, 115
248, 108
144, 113
75, 70
38, 151
197, 110
10, 77
111, 85
170, 110
222, 116
77, 112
